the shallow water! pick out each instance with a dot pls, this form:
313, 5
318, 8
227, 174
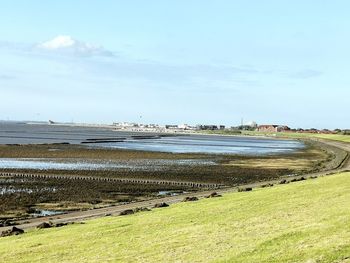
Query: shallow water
21, 133
170, 193
11, 189
210, 144
77, 164
40, 213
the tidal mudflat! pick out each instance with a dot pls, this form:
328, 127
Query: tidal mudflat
63, 153
20, 196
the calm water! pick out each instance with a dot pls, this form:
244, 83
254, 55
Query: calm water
21, 133
210, 144
71, 164
40, 213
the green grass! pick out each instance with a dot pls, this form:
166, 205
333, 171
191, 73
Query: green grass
334, 137
306, 221
220, 132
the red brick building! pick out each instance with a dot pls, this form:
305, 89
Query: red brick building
273, 128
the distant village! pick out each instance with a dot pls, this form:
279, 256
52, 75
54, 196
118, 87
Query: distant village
251, 126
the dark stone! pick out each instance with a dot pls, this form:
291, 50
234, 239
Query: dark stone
159, 205
44, 225
214, 194
298, 179
141, 209
12, 232
267, 185
190, 199
284, 181
60, 224
245, 189
127, 212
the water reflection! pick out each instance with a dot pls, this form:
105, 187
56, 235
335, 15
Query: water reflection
209, 144
77, 164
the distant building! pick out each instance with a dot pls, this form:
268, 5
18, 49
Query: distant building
171, 126
183, 126
207, 127
126, 125
186, 127
273, 128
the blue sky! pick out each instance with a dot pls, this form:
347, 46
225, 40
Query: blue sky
184, 61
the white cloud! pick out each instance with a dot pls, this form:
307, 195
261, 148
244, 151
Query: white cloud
68, 45
59, 42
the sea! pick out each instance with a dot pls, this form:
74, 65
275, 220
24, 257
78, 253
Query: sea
41, 133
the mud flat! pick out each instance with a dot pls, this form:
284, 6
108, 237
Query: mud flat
141, 174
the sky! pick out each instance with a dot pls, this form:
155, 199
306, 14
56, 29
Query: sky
183, 61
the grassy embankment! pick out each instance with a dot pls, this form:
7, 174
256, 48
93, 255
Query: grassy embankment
293, 135
300, 222
333, 137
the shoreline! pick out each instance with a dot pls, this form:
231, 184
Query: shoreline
344, 165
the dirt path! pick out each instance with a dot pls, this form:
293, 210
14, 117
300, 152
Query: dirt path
341, 145
115, 210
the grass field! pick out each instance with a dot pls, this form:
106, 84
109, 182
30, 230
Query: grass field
293, 135
306, 221
334, 137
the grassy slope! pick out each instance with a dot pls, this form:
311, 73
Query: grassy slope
334, 137
307, 221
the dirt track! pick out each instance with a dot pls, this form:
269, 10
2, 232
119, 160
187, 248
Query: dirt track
115, 210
